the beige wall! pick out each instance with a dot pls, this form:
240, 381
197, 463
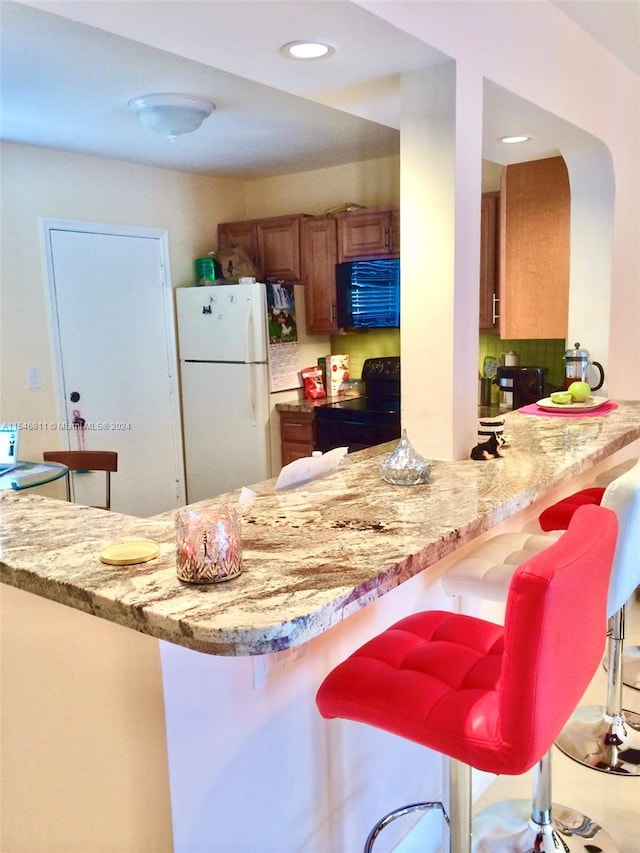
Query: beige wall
84, 757
39, 183
42, 183
372, 183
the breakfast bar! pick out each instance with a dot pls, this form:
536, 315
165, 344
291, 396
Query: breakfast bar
325, 565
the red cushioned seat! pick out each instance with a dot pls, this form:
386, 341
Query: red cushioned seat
492, 697
558, 515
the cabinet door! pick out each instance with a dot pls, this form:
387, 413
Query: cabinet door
242, 234
291, 451
297, 435
319, 257
365, 233
534, 245
394, 224
489, 261
279, 247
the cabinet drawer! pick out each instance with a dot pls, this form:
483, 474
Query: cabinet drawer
292, 451
297, 428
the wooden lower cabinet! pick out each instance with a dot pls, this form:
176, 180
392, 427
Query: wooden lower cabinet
297, 435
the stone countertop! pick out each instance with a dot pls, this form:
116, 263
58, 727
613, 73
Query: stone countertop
313, 554
304, 405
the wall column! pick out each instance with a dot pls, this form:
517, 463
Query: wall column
440, 191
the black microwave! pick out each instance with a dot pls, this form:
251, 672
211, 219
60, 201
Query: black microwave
368, 294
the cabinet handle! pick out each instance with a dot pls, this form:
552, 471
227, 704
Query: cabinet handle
296, 424
333, 313
387, 239
494, 313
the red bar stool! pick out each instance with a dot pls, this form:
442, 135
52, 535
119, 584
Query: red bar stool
493, 697
605, 738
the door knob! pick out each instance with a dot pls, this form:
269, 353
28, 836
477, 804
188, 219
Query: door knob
74, 396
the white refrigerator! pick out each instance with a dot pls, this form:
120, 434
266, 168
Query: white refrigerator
222, 332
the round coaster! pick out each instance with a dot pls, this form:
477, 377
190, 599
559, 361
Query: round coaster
129, 553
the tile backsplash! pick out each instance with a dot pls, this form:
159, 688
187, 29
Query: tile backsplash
369, 344
532, 353
379, 342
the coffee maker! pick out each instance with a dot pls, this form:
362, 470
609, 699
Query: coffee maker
520, 386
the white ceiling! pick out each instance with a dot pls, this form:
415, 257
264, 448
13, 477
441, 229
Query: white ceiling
69, 68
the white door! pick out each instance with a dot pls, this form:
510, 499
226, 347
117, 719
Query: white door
113, 332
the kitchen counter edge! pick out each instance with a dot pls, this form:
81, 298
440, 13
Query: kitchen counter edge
312, 555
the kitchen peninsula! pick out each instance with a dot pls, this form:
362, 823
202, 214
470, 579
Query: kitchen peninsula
242, 732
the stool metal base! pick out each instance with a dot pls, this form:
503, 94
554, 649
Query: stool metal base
506, 827
610, 744
401, 812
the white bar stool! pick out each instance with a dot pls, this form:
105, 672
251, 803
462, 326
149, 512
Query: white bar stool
605, 738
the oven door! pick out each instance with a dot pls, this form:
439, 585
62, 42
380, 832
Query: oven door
342, 428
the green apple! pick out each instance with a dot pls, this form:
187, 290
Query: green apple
580, 391
561, 397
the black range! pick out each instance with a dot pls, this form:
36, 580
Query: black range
364, 421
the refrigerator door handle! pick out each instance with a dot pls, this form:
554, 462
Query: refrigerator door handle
251, 394
249, 333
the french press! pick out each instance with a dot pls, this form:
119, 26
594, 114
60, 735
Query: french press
576, 366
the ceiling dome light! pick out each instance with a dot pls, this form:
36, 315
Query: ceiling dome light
512, 140
171, 114
308, 49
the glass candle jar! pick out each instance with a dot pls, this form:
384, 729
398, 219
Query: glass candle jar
208, 545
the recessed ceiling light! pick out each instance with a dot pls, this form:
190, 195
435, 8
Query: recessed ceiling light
512, 140
308, 49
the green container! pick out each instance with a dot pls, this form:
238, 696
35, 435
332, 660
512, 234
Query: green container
207, 269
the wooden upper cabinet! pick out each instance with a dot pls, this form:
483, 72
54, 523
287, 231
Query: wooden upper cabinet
368, 233
273, 244
319, 257
535, 208
279, 247
394, 225
489, 303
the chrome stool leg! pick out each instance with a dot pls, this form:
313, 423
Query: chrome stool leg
514, 826
606, 738
459, 807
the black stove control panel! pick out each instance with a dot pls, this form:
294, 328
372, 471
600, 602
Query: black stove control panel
384, 367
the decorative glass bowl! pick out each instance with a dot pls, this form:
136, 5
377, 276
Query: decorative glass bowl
208, 545
405, 467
